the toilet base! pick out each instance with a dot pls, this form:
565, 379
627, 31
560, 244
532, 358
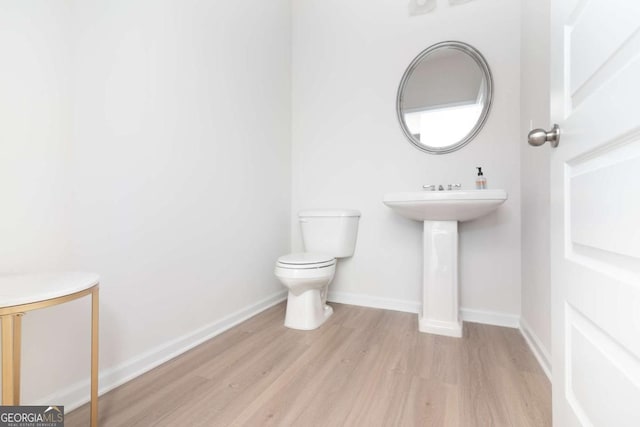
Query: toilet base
306, 311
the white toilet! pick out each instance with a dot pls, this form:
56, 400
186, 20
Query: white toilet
327, 235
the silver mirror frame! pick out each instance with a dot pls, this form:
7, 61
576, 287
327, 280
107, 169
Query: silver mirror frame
482, 63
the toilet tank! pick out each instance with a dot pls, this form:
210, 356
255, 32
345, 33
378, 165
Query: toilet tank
331, 231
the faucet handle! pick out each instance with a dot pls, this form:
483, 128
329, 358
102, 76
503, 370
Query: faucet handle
454, 187
429, 187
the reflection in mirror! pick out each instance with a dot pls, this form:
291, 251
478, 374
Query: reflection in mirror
444, 97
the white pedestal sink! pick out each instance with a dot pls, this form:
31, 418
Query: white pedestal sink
441, 211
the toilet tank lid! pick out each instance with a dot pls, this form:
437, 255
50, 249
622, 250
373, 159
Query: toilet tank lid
328, 213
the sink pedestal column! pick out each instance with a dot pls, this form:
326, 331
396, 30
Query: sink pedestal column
440, 310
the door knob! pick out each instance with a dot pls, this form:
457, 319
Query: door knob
538, 137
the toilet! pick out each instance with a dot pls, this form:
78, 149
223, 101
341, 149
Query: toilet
327, 234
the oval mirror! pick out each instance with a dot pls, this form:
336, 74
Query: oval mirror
444, 97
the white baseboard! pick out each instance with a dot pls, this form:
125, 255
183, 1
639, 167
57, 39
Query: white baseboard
467, 314
490, 317
78, 394
539, 350
374, 302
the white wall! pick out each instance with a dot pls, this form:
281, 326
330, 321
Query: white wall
34, 134
35, 143
181, 168
536, 303
348, 149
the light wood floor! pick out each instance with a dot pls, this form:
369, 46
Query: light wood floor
364, 367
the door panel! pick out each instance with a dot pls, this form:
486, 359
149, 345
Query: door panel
595, 212
594, 40
599, 219
594, 358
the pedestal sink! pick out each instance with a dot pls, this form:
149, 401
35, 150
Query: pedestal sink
441, 211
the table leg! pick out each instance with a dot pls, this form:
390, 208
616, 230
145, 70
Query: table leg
17, 348
94, 357
7, 360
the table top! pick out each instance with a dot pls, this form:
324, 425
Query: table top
30, 288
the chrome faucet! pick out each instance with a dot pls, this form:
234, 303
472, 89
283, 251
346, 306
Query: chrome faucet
440, 187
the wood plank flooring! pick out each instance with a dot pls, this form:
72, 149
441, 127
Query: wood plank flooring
364, 367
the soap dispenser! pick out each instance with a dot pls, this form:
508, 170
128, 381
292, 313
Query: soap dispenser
481, 181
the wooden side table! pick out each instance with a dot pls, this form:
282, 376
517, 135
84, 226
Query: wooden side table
22, 293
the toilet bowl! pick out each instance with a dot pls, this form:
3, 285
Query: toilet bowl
327, 235
307, 276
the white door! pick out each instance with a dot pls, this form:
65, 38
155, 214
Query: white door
595, 212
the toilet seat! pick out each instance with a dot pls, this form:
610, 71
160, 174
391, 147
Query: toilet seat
305, 260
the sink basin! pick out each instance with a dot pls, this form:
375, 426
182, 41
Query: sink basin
457, 205
440, 212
